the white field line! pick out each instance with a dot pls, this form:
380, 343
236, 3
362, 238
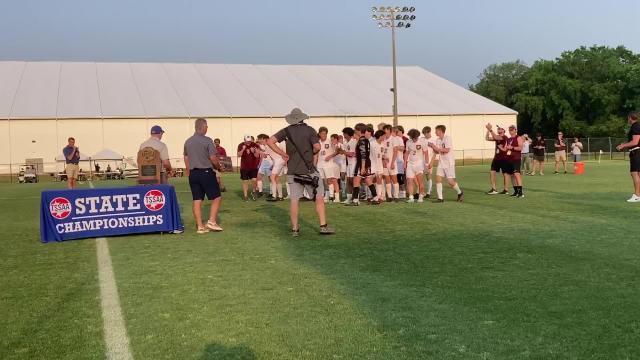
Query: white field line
115, 333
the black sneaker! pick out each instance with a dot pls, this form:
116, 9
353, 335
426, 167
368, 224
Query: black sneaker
428, 196
503, 192
271, 199
461, 197
492, 192
440, 200
326, 230
555, 172
295, 232
245, 199
353, 203
375, 202
520, 195
565, 172
515, 194
260, 194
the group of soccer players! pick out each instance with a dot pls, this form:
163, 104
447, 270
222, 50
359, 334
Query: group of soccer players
374, 166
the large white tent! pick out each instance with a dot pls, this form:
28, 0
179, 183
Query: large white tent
113, 105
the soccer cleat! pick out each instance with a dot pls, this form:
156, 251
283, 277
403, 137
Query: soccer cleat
389, 200
440, 200
346, 201
245, 199
503, 192
410, 200
326, 230
213, 226
179, 231
555, 172
428, 196
515, 194
541, 174
202, 230
295, 232
374, 202
336, 201
280, 199
253, 196
461, 197
353, 203
565, 172
520, 196
492, 192
271, 198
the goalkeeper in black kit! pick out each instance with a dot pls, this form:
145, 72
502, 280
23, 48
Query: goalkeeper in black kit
363, 165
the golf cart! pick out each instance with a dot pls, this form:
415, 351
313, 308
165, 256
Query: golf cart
27, 174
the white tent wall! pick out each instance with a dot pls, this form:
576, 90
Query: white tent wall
34, 139
5, 147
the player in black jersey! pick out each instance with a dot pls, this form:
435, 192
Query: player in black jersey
363, 166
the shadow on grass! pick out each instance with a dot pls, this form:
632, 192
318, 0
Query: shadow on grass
222, 352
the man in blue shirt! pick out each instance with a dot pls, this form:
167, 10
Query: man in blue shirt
72, 159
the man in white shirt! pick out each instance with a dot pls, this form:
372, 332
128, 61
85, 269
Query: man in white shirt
378, 163
426, 132
394, 147
327, 167
447, 163
349, 149
414, 160
275, 172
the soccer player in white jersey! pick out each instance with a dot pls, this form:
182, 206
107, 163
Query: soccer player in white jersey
327, 168
390, 155
414, 159
277, 170
349, 149
426, 132
447, 163
341, 161
266, 163
400, 141
378, 165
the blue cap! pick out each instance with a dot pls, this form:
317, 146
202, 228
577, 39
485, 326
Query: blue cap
156, 129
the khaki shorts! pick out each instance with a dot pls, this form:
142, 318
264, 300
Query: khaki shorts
297, 190
561, 155
72, 171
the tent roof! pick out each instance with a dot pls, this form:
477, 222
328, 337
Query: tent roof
107, 154
85, 90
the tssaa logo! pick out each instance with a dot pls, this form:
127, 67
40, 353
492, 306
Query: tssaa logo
60, 208
154, 200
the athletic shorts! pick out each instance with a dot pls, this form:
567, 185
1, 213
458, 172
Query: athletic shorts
265, 167
330, 171
448, 172
298, 190
515, 167
351, 169
278, 167
501, 165
539, 158
342, 166
391, 172
203, 182
72, 171
378, 171
634, 161
248, 174
415, 169
561, 155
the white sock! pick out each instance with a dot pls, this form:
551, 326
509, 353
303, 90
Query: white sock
349, 197
279, 191
403, 194
259, 185
439, 190
389, 193
396, 191
380, 191
331, 190
274, 190
337, 196
429, 185
288, 190
457, 189
421, 196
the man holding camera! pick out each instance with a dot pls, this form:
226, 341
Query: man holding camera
302, 145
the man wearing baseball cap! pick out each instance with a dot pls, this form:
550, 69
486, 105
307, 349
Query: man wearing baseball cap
155, 142
250, 156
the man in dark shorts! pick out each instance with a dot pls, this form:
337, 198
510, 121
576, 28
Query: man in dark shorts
303, 144
633, 145
200, 159
539, 149
250, 155
500, 161
514, 152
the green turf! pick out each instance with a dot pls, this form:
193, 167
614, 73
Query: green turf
551, 276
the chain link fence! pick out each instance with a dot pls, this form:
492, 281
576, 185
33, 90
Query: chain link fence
594, 149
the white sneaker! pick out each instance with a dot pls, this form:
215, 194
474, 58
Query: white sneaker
420, 200
634, 198
410, 201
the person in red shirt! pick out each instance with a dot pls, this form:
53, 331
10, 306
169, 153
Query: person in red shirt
250, 155
221, 151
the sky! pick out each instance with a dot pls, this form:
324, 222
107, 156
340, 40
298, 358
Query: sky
455, 39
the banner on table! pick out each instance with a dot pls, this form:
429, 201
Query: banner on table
90, 213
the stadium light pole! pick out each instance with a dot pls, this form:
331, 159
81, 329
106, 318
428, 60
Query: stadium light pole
394, 18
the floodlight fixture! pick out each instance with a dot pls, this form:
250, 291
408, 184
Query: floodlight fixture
374, 9
412, 9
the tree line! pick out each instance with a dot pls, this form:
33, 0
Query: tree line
584, 92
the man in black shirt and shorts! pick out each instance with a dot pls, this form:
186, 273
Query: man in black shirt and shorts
500, 161
633, 145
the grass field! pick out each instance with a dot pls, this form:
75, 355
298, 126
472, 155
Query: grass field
553, 276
